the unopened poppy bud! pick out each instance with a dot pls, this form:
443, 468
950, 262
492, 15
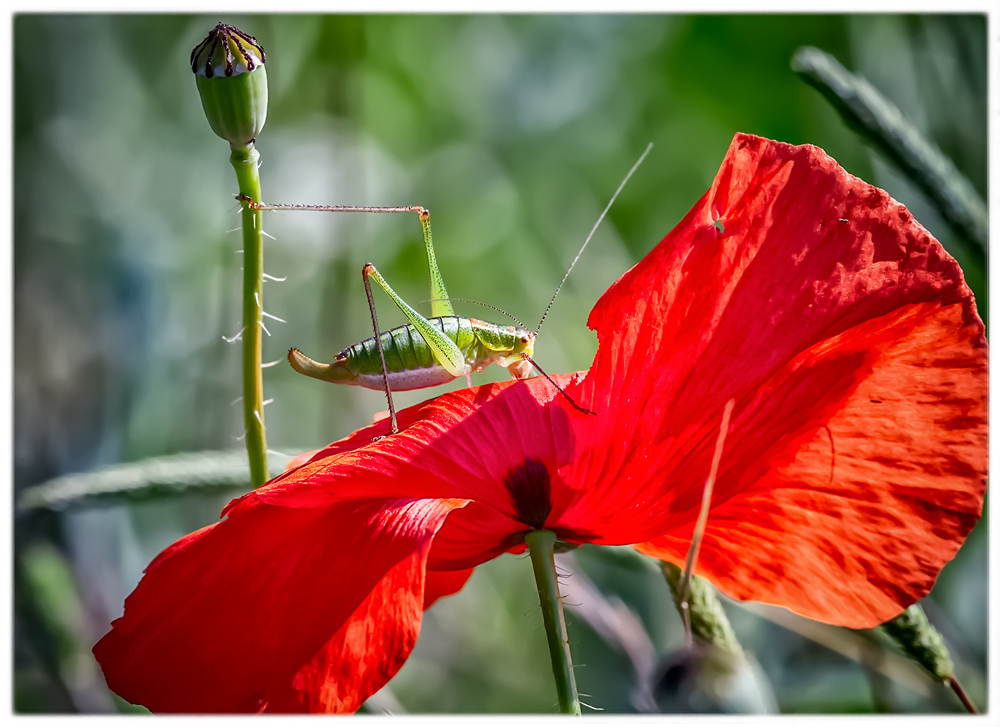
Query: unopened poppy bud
229, 69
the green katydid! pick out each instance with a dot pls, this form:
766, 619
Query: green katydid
428, 351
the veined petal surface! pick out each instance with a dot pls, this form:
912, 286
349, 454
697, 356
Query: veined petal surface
855, 461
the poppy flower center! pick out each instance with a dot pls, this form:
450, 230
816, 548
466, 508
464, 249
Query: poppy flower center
530, 488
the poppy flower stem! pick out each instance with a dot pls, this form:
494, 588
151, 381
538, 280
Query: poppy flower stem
244, 161
540, 545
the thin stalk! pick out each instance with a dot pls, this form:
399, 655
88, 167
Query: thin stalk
244, 161
963, 697
540, 544
699, 527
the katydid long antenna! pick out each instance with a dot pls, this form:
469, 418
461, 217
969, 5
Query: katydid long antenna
479, 302
592, 231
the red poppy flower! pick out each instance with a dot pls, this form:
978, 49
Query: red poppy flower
853, 469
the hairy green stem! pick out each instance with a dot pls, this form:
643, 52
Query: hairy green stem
244, 161
540, 545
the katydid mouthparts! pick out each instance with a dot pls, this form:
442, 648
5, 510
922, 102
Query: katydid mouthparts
429, 351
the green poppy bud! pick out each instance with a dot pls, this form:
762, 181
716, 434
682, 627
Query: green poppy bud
229, 69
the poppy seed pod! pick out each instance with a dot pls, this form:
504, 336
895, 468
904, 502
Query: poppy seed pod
229, 69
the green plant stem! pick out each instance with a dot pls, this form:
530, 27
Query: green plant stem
540, 545
244, 161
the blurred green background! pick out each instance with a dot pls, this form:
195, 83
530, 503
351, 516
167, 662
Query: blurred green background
514, 131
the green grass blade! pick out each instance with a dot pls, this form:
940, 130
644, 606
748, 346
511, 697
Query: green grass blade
168, 476
871, 114
925, 645
921, 641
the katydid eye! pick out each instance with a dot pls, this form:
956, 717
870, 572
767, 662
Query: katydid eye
524, 339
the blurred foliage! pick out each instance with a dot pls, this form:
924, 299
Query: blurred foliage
514, 131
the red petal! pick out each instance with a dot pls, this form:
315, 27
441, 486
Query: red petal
821, 294
367, 651
461, 445
301, 459
225, 618
854, 533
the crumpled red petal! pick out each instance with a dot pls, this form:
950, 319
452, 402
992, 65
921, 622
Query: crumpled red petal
825, 310
226, 619
301, 459
459, 445
366, 651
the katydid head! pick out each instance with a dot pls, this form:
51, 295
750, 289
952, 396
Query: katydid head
518, 362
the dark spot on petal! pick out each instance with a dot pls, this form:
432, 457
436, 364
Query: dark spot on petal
530, 488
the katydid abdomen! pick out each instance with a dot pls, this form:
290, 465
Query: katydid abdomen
410, 363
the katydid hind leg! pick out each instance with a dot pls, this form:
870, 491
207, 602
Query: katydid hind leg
440, 303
